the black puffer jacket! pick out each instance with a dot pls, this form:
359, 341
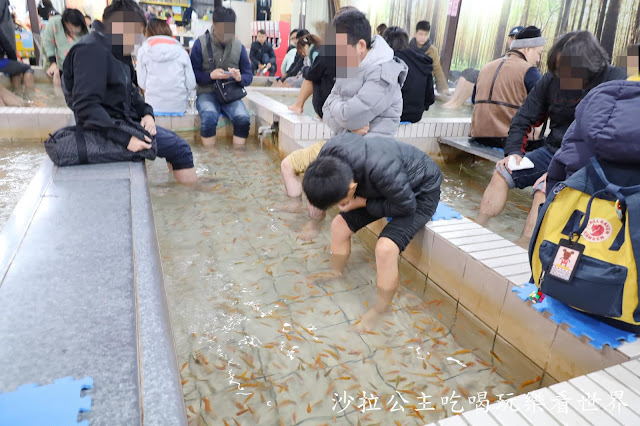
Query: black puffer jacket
99, 89
546, 100
390, 174
323, 75
417, 91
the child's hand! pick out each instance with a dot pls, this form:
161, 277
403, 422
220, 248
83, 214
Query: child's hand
356, 203
362, 131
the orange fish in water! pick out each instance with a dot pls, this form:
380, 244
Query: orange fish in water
344, 378
496, 356
460, 352
248, 398
375, 333
241, 412
339, 347
183, 366
529, 382
207, 404
445, 391
191, 409
234, 240
184, 381
308, 407
330, 388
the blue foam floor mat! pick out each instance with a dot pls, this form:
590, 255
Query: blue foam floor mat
56, 404
444, 212
579, 324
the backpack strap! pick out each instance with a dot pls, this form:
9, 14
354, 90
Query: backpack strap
210, 50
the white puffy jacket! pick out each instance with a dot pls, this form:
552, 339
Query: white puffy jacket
165, 74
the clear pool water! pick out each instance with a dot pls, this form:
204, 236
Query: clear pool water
19, 162
258, 342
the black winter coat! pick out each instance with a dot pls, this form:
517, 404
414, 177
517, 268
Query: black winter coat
323, 75
417, 92
258, 50
98, 88
546, 100
390, 174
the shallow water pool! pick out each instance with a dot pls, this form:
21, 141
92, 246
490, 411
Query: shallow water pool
19, 162
260, 343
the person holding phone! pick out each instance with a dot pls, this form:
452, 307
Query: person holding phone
218, 55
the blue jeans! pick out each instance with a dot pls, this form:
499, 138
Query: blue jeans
541, 158
210, 109
174, 149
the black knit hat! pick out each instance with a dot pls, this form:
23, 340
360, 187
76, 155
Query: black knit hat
529, 37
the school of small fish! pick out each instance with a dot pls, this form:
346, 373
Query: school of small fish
259, 341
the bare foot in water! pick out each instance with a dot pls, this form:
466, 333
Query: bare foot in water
523, 242
288, 207
310, 230
296, 108
367, 322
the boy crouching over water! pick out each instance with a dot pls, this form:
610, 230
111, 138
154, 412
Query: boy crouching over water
372, 178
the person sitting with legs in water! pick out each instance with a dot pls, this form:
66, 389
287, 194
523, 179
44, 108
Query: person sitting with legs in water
370, 179
18, 72
99, 90
502, 87
577, 63
218, 55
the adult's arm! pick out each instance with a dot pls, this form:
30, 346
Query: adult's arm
189, 76
371, 101
141, 67
245, 68
531, 78
397, 197
531, 114
438, 73
202, 77
316, 72
49, 42
89, 72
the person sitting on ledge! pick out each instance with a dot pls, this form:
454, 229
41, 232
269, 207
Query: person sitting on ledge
577, 63
230, 59
99, 90
370, 179
502, 87
421, 42
9, 64
263, 58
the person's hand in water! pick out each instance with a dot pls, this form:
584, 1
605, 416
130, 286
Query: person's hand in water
53, 68
356, 203
149, 124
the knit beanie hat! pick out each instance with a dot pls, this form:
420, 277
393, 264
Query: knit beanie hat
529, 37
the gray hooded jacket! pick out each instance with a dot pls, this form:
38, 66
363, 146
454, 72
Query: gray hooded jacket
372, 97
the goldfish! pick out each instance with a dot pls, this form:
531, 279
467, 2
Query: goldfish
529, 382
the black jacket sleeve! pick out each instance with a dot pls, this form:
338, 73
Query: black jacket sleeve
272, 54
139, 105
532, 112
89, 88
253, 53
397, 196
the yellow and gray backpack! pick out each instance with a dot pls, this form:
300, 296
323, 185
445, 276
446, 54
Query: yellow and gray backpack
585, 245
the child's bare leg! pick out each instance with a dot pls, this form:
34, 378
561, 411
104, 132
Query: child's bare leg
185, 175
312, 227
10, 99
340, 250
305, 91
387, 253
210, 141
292, 181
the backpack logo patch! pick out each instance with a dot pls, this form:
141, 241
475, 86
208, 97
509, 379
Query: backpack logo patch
597, 230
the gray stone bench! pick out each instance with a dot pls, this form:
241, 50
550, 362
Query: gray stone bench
463, 144
82, 294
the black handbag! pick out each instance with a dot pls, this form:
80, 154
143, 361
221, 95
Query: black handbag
225, 91
75, 145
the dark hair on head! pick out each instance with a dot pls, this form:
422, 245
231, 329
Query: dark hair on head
132, 10
293, 31
76, 18
263, 32
423, 26
157, 27
344, 9
307, 40
301, 33
222, 14
326, 181
380, 29
355, 25
582, 49
396, 38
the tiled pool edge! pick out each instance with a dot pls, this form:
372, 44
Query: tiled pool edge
159, 397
